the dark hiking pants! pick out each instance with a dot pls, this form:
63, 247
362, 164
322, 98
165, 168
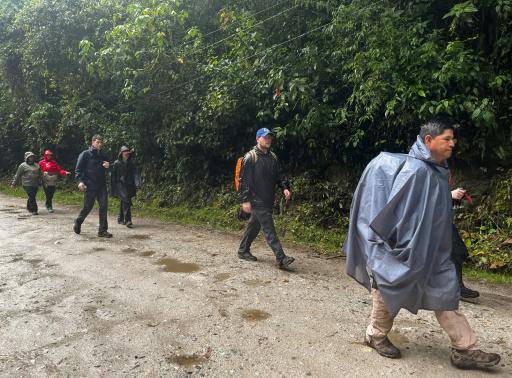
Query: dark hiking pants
90, 196
125, 212
459, 253
261, 218
31, 201
49, 191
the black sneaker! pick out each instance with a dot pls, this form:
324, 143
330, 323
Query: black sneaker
474, 359
384, 348
247, 256
104, 234
467, 293
129, 225
285, 262
77, 227
34, 213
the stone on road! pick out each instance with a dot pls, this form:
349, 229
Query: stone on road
168, 300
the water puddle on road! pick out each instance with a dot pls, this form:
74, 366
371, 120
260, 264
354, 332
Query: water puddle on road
255, 282
129, 250
99, 249
222, 277
397, 338
139, 237
175, 266
34, 262
253, 315
147, 253
189, 360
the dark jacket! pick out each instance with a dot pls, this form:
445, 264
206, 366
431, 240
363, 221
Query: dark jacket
260, 174
89, 169
125, 178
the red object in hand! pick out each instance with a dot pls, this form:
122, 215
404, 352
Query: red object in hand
277, 93
468, 198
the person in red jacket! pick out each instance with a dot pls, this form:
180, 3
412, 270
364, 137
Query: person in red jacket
51, 169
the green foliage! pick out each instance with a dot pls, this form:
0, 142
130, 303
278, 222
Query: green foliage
187, 83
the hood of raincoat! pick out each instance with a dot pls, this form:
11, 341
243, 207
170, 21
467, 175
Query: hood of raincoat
419, 150
46, 154
123, 149
29, 154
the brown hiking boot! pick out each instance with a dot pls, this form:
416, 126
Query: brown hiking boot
474, 359
384, 348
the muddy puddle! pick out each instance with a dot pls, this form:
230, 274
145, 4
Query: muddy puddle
255, 282
189, 360
129, 250
221, 277
253, 315
139, 237
99, 249
147, 253
397, 338
171, 265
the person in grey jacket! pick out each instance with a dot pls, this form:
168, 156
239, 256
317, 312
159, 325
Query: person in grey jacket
125, 182
29, 176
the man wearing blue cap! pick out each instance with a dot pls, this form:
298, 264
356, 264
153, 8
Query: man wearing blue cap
260, 174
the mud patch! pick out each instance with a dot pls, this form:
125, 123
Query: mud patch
34, 262
254, 282
10, 211
221, 277
397, 338
253, 315
129, 250
147, 253
99, 249
139, 237
168, 264
189, 360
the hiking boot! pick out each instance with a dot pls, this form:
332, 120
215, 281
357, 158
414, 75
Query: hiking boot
34, 213
77, 227
104, 234
50, 209
285, 262
467, 293
129, 225
247, 256
474, 359
384, 348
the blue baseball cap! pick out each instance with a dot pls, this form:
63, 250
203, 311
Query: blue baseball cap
263, 132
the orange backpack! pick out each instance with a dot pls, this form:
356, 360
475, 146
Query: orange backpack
240, 163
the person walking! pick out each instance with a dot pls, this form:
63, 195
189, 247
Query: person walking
125, 182
399, 244
259, 175
91, 172
50, 170
460, 253
29, 176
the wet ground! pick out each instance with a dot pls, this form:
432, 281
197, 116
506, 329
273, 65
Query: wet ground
167, 300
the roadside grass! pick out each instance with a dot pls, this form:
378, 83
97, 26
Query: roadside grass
291, 231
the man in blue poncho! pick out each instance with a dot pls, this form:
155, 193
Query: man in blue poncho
400, 239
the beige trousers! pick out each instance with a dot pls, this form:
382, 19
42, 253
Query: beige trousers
454, 323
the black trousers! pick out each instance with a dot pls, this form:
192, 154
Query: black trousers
90, 196
49, 191
31, 201
261, 218
125, 212
460, 253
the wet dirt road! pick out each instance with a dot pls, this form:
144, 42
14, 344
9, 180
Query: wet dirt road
167, 300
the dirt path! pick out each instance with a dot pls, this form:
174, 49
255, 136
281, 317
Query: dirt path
77, 305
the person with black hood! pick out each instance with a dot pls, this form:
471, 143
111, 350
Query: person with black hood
29, 176
259, 175
91, 173
125, 182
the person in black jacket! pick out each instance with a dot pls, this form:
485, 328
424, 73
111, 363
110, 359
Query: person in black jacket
260, 174
125, 182
91, 173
